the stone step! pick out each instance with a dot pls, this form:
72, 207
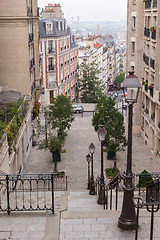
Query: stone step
90, 214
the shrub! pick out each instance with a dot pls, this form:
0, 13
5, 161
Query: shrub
111, 172
144, 178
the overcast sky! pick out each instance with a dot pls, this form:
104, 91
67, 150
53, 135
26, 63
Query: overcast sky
90, 10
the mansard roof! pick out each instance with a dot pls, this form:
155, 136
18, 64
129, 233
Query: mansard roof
54, 32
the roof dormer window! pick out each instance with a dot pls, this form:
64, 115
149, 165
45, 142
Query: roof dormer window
48, 28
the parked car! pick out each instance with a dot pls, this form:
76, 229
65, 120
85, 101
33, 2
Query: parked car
77, 108
114, 96
124, 104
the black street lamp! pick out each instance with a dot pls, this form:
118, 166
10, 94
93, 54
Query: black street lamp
101, 135
92, 186
127, 219
88, 158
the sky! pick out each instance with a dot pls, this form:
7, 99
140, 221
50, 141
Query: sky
91, 10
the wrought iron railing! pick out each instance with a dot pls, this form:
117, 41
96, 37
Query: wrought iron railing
29, 192
147, 4
110, 199
146, 32
154, 3
153, 35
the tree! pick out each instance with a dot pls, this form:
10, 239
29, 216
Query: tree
107, 115
60, 115
120, 78
90, 86
58, 119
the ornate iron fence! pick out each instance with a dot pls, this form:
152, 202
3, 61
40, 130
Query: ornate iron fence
29, 192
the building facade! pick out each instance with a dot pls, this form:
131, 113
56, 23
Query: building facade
19, 73
59, 56
143, 47
19, 46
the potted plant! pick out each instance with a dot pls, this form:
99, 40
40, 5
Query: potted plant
111, 151
144, 178
152, 29
111, 172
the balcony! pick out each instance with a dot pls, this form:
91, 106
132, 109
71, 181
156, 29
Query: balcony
38, 11
153, 116
146, 111
146, 32
146, 59
31, 37
151, 92
51, 50
153, 34
152, 63
147, 4
29, 11
31, 63
51, 67
52, 84
154, 3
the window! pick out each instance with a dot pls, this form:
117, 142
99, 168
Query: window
50, 63
51, 96
133, 47
132, 68
133, 22
49, 29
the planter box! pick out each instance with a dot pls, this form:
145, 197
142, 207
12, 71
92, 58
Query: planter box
56, 156
111, 155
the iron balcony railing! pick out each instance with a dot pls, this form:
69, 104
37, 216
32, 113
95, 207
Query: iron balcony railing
51, 67
153, 35
146, 32
29, 192
31, 37
145, 59
154, 3
152, 63
31, 63
51, 50
147, 4
29, 11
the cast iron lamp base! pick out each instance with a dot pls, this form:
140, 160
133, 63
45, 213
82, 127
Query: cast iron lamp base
127, 220
92, 188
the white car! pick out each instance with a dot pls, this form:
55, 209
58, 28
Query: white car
77, 108
124, 104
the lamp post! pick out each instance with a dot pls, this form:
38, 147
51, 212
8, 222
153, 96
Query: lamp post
88, 158
101, 135
127, 219
92, 186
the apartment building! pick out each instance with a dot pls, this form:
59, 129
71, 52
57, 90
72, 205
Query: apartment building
19, 46
92, 48
19, 77
143, 47
59, 55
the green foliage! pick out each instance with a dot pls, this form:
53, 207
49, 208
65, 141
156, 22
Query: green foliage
60, 115
107, 115
111, 172
120, 78
54, 144
90, 86
58, 119
13, 112
144, 179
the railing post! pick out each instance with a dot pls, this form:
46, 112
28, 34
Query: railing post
52, 184
152, 219
66, 184
8, 205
